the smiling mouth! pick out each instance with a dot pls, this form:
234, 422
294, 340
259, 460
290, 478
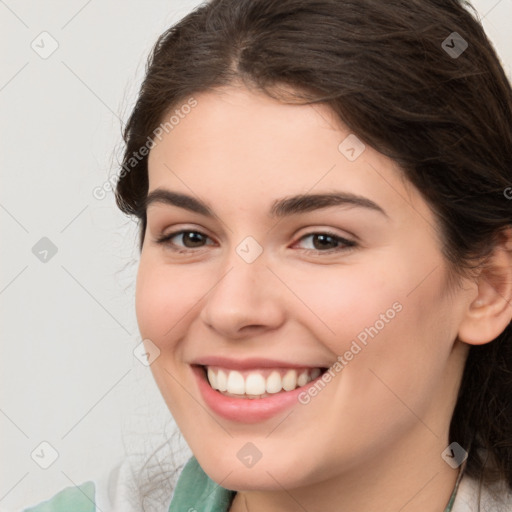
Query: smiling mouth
259, 383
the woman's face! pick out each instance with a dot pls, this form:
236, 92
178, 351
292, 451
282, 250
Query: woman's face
266, 291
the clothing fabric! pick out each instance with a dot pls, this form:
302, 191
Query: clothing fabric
196, 492
76, 499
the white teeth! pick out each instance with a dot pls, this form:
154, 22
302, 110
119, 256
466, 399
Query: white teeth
236, 383
259, 383
303, 379
290, 380
212, 378
254, 384
274, 383
222, 381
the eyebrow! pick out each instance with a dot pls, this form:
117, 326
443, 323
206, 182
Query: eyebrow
287, 206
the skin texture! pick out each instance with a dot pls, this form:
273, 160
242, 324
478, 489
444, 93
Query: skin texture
373, 438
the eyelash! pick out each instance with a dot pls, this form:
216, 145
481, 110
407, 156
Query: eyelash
348, 244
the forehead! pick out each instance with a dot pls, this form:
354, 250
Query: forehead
234, 124
256, 148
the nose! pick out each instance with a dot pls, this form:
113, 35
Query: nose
245, 300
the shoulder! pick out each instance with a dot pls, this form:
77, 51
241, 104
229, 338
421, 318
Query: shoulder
471, 497
79, 499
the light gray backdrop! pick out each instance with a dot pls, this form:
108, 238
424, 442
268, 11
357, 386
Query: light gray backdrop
69, 76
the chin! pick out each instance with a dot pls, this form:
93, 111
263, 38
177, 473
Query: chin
270, 475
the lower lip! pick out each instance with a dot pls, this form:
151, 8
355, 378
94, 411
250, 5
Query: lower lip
246, 410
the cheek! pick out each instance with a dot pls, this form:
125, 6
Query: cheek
163, 298
148, 302
342, 302
384, 317
404, 355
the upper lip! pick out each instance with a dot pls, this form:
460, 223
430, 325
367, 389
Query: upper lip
249, 363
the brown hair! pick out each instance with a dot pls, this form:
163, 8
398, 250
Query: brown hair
384, 69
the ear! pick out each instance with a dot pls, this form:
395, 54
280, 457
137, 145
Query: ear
490, 312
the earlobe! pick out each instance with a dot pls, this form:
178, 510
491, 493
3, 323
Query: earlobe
490, 312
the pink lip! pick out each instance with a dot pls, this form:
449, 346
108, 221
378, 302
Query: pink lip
248, 364
245, 410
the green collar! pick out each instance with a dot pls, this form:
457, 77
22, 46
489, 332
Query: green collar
197, 492
455, 489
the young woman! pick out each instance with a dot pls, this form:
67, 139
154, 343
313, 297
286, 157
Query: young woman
325, 278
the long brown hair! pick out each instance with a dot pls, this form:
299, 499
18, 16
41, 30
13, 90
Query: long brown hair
386, 69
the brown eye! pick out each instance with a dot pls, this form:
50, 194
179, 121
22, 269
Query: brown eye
321, 241
192, 238
184, 239
326, 242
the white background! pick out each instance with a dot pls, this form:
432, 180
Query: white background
68, 326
